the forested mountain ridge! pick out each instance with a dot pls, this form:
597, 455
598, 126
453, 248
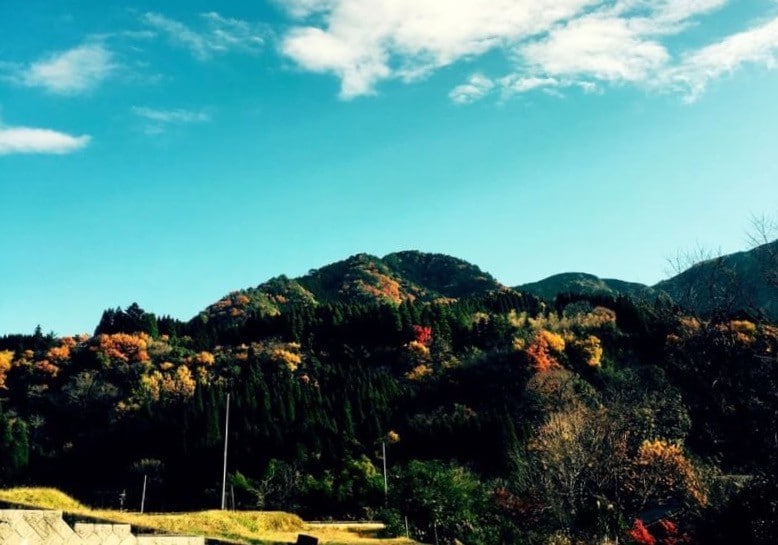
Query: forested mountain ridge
740, 281
588, 284
360, 279
743, 281
506, 419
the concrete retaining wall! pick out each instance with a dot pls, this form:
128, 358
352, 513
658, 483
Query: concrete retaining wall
38, 527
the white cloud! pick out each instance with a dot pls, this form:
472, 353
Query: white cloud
70, 72
34, 140
366, 41
157, 121
477, 87
598, 46
177, 115
551, 44
758, 45
219, 35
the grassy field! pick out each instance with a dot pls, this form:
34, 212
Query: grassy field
245, 527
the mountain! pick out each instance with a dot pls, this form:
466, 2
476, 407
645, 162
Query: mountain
361, 279
587, 284
742, 281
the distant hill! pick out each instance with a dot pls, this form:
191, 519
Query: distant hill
361, 278
583, 283
741, 281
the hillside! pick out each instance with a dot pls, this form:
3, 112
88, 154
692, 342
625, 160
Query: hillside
743, 281
499, 419
587, 284
740, 281
360, 279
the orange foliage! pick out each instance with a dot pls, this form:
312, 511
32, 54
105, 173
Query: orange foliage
59, 353
47, 368
543, 350
124, 347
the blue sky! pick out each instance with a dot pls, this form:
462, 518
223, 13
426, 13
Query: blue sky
175, 151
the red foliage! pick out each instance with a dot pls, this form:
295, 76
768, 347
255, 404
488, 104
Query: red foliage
670, 535
640, 533
423, 334
520, 509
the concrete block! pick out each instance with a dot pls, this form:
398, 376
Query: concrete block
84, 529
92, 539
122, 530
16, 539
104, 530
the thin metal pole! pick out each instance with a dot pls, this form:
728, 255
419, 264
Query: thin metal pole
226, 434
143, 496
407, 532
386, 484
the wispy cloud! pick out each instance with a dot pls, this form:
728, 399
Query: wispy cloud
157, 120
69, 72
34, 140
477, 87
548, 44
758, 45
216, 34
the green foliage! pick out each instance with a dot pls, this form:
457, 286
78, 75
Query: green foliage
566, 421
443, 502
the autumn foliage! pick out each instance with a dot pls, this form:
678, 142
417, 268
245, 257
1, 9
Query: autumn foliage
544, 350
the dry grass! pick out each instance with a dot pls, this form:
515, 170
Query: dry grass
247, 527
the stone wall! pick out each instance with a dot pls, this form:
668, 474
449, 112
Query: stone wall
38, 527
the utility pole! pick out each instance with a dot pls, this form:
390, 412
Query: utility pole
386, 484
143, 496
226, 434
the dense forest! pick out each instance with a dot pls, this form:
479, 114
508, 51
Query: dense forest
501, 417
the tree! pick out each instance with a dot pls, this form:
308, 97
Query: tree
443, 502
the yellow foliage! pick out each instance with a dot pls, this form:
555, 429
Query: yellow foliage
591, 349
292, 360
743, 331
204, 358
419, 372
517, 319
554, 341
151, 385
418, 348
668, 470
6, 356
185, 384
